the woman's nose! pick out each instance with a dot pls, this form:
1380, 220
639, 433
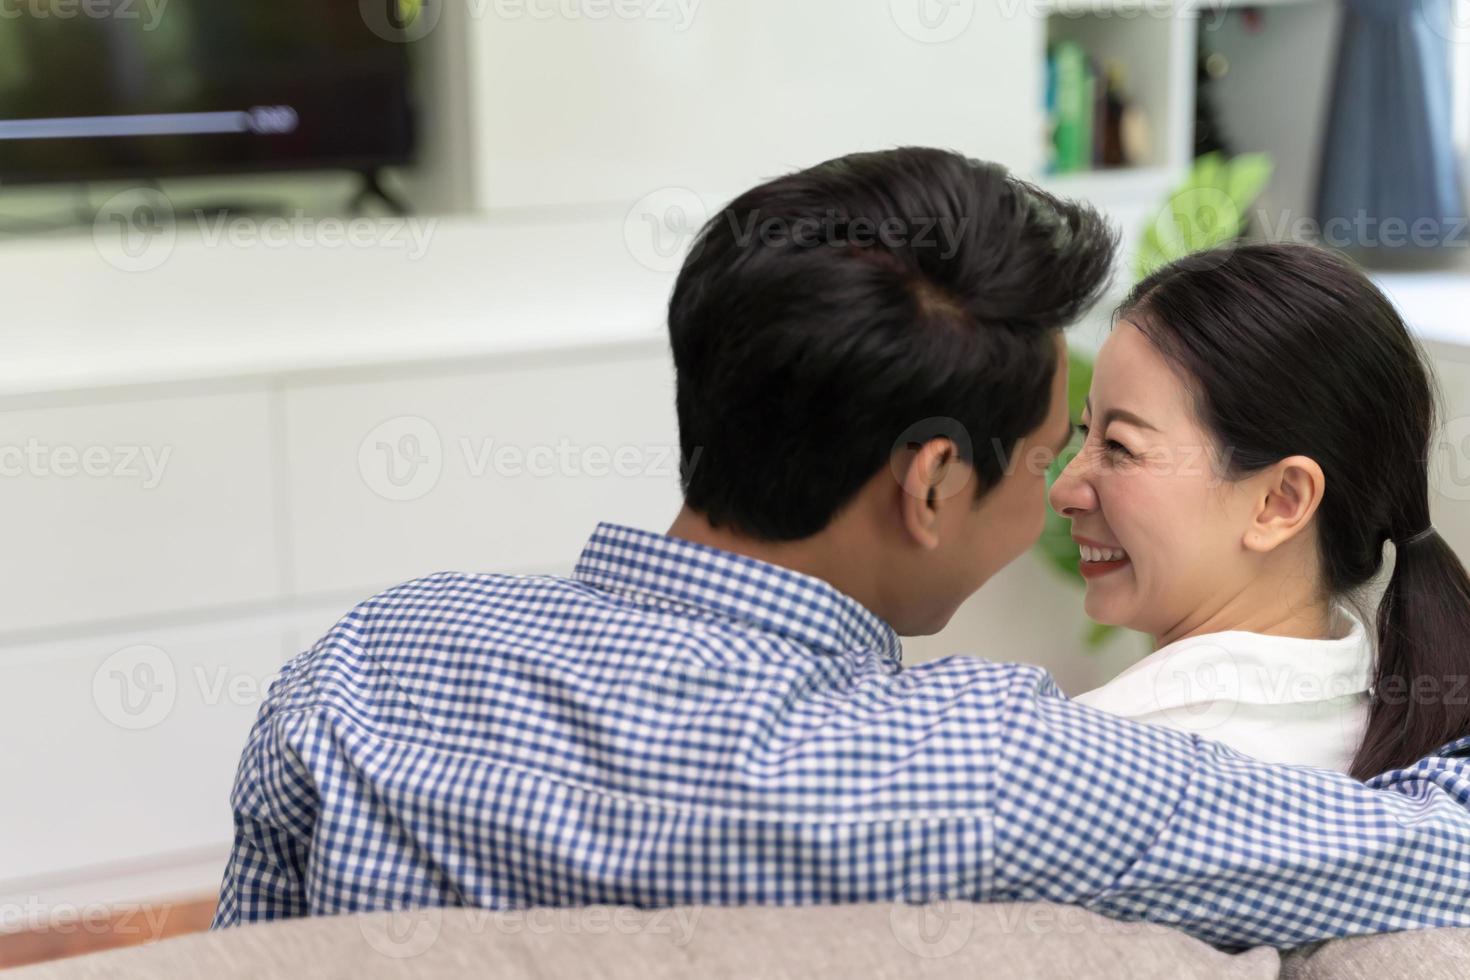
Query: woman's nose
1073, 494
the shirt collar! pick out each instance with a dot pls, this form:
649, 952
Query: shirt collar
1459, 747
797, 606
1251, 668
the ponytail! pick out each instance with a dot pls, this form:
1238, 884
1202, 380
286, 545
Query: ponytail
1421, 687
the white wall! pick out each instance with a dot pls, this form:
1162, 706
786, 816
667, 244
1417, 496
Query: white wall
575, 110
1276, 104
1450, 460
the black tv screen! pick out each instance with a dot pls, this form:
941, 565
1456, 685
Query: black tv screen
152, 88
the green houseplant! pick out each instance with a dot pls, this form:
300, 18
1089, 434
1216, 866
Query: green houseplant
1208, 210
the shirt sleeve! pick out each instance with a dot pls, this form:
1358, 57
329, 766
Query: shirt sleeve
1140, 823
274, 813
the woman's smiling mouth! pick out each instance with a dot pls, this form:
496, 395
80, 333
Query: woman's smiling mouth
1099, 559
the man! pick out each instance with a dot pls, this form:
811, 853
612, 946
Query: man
870, 365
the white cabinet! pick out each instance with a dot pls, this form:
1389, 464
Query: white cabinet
120, 749
502, 469
135, 508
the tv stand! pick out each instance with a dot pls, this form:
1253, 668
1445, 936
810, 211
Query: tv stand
372, 187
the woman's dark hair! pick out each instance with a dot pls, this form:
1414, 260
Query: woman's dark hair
1292, 351
823, 316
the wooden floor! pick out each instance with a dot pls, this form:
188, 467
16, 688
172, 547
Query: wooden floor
133, 926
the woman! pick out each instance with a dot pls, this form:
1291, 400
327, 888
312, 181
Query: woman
1258, 427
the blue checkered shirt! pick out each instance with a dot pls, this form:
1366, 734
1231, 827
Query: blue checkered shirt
676, 724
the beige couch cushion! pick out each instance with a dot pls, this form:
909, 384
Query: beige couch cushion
1436, 954
994, 942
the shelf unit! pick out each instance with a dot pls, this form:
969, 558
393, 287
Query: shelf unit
1154, 43
1273, 99
1155, 48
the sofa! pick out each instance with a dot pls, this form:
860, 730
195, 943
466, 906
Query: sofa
994, 942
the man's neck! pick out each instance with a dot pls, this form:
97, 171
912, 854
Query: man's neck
823, 555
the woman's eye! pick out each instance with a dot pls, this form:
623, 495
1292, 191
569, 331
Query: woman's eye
1111, 446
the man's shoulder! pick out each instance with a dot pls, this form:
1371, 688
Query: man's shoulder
1003, 678
469, 603
462, 593
462, 597
411, 620
486, 625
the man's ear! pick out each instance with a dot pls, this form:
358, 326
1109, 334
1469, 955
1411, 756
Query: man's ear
933, 475
1287, 497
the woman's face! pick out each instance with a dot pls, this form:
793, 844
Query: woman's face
1159, 526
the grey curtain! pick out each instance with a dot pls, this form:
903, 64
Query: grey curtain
1389, 152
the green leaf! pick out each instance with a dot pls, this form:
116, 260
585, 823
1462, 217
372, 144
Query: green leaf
1248, 176
1208, 210
1099, 633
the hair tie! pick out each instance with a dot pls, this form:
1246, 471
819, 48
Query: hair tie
1415, 539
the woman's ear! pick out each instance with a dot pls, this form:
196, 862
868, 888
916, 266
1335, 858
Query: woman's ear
1287, 496
927, 479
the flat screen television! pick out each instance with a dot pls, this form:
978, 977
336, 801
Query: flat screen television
122, 89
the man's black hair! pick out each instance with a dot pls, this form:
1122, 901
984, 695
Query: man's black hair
824, 316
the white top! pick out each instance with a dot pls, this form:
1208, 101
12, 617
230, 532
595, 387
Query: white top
1279, 699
